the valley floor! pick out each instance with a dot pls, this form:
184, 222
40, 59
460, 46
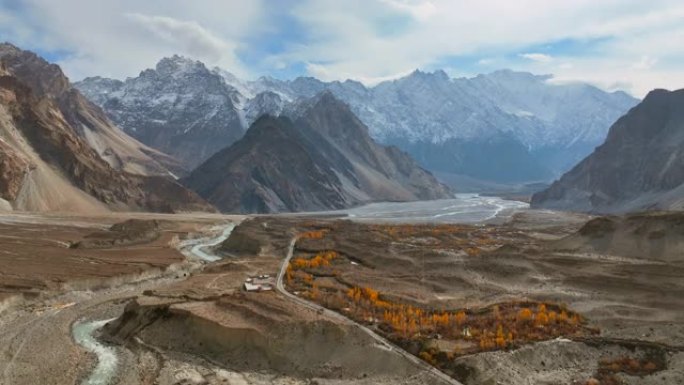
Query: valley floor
182, 320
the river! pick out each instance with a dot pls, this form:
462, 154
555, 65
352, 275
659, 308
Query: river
464, 208
107, 359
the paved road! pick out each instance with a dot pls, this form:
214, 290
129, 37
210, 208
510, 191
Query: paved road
383, 342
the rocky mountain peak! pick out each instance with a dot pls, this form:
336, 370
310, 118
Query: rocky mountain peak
328, 112
659, 95
64, 147
33, 71
324, 159
435, 76
180, 108
266, 102
327, 98
427, 114
270, 126
179, 64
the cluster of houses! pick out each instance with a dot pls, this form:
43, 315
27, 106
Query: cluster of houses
263, 282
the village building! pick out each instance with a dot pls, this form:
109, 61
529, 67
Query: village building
259, 283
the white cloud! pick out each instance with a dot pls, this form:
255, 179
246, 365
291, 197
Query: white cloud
324, 73
120, 38
190, 38
615, 74
645, 63
538, 57
348, 43
419, 9
640, 43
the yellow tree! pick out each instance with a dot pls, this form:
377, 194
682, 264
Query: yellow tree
524, 315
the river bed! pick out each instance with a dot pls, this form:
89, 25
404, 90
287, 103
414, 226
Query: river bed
107, 359
464, 208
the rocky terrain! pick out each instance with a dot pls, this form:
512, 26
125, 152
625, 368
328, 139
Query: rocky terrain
639, 167
229, 336
577, 303
505, 126
461, 267
88, 121
79, 252
180, 108
616, 331
655, 236
324, 159
60, 153
46, 286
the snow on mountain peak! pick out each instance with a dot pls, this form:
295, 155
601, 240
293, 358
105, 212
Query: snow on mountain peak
422, 107
179, 64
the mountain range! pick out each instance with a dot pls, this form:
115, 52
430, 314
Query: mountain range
272, 146
639, 167
504, 127
59, 152
321, 157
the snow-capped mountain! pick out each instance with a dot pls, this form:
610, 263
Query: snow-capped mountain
505, 126
557, 124
180, 107
323, 159
58, 151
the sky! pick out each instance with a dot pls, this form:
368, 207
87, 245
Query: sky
629, 45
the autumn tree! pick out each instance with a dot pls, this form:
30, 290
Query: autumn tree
524, 315
500, 338
553, 317
541, 320
315, 292
461, 318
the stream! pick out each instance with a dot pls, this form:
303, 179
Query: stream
198, 249
84, 335
107, 359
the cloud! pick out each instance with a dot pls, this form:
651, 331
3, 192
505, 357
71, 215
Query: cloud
538, 57
645, 63
615, 41
189, 37
418, 9
120, 38
324, 73
346, 40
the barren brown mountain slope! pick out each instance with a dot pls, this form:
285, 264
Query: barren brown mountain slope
639, 167
49, 164
324, 159
89, 122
